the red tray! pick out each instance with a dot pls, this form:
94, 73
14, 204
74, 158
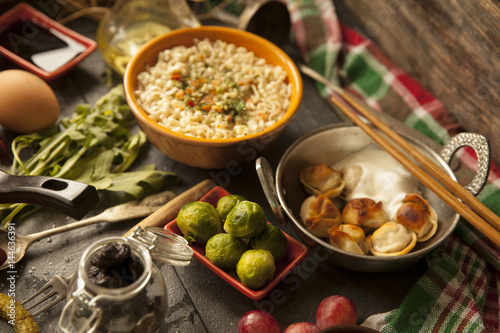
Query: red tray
23, 12
296, 252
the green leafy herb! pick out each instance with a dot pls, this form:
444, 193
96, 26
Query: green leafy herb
234, 107
94, 146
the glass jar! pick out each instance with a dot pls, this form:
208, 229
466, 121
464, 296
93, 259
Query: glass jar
138, 307
129, 24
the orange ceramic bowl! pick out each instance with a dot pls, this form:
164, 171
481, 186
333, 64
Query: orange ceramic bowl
201, 152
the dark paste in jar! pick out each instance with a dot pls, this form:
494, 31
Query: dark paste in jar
113, 266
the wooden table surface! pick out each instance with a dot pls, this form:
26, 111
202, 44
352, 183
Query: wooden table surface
200, 301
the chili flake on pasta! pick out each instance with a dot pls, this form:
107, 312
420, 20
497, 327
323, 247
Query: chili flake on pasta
213, 90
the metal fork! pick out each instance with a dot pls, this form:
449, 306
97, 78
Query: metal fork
58, 286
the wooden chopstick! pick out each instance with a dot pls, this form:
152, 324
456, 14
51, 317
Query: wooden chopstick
428, 165
488, 223
343, 100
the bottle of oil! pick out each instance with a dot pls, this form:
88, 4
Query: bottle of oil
131, 23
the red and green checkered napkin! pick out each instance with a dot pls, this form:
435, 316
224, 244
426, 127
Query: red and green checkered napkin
460, 291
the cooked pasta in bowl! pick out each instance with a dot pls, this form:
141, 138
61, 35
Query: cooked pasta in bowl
202, 94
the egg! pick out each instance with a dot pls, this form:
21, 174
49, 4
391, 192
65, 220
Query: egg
28, 104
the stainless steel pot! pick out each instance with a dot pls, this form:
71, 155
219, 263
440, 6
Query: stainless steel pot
330, 144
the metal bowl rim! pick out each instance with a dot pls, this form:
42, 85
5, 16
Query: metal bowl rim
413, 255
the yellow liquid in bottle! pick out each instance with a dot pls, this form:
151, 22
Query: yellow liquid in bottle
118, 51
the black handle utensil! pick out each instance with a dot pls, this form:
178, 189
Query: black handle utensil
70, 197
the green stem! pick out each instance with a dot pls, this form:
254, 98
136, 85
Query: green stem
61, 136
37, 170
70, 163
13, 213
17, 159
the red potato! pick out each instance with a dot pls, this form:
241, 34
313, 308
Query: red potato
258, 321
336, 310
302, 327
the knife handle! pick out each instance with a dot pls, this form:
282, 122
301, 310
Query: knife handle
169, 211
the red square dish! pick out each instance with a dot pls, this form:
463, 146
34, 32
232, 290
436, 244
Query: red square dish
34, 25
296, 252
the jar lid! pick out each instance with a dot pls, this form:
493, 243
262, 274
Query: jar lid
164, 245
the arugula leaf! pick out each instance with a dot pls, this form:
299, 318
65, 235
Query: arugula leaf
94, 146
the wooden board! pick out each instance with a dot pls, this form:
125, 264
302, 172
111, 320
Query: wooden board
451, 47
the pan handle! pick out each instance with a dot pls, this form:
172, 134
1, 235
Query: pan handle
266, 177
72, 198
481, 146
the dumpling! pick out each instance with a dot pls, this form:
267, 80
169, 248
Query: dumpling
319, 214
391, 239
349, 238
322, 179
364, 212
416, 214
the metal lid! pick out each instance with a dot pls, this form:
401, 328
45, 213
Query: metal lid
164, 245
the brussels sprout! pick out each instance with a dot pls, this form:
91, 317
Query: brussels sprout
226, 203
255, 268
224, 250
246, 220
271, 239
198, 221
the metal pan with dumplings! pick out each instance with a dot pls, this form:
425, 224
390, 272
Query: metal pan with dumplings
342, 192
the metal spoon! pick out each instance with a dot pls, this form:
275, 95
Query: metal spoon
126, 211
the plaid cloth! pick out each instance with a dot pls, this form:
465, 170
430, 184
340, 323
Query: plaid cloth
460, 291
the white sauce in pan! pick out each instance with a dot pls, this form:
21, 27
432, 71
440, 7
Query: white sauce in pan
373, 173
